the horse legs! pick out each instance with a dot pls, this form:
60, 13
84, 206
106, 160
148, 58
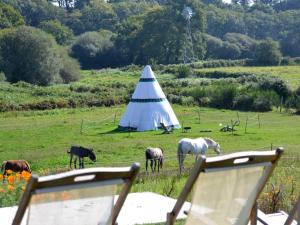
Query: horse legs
75, 161
80, 159
82, 163
151, 164
155, 162
196, 157
181, 162
158, 165
71, 158
146, 165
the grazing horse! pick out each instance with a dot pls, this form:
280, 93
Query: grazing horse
195, 147
15, 165
81, 152
156, 156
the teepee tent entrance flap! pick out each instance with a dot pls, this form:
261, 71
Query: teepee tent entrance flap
148, 106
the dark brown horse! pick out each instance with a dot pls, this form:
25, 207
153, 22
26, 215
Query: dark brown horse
81, 152
15, 166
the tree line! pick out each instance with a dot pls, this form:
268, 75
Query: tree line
46, 41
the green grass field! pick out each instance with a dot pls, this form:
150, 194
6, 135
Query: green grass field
291, 74
43, 138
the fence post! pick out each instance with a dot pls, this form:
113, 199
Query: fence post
115, 118
199, 118
81, 126
281, 103
258, 120
246, 125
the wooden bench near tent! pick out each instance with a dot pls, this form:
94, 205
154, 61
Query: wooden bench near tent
167, 130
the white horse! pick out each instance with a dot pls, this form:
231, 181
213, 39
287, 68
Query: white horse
156, 156
195, 147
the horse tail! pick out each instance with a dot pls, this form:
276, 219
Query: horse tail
3, 166
28, 166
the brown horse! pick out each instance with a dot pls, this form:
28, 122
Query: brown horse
15, 166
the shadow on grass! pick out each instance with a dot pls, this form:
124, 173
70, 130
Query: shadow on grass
118, 131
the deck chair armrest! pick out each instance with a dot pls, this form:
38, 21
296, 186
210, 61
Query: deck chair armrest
295, 210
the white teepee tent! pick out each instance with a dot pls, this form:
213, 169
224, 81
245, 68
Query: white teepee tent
148, 106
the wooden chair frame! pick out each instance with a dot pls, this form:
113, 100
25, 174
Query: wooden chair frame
166, 129
295, 211
255, 157
127, 174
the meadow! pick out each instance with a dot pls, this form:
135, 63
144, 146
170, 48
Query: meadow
43, 138
40, 124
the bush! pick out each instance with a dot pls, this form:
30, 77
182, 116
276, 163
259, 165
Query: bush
223, 95
70, 69
243, 102
220, 74
264, 100
62, 34
184, 71
22, 62
174, 99
268, 53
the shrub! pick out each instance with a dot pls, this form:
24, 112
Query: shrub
183, 71
243, 102
174, 99
187, 101
268, 53
63, 34
22, 62
70, 69
264, 100
276, 84
223, 95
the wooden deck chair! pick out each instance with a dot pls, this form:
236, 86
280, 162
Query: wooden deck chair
295, 213
167, 130
226, 188
78, 197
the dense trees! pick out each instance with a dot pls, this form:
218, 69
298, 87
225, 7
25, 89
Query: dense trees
114, 33
268, 53
31, 55
9, 17
94, 49
62, 34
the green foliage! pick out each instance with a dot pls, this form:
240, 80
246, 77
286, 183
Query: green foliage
268, 53
245, 43
93, 49
70, 69
184, 71
35, 11
30, 55
98, 15
9, 17
63, 34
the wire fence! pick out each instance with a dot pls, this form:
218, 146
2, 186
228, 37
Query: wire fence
171, 168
